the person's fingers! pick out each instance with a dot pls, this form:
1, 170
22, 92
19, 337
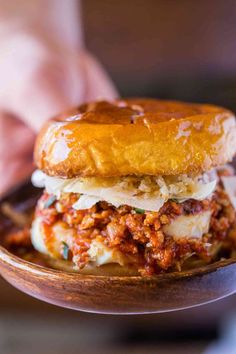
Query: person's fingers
16, 149
45, 80
16, 137
59, 84
98, 83
16, 172
38, 80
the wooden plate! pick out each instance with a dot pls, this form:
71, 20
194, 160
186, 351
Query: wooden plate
113, 295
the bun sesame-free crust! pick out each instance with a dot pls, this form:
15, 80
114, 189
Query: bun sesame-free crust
136, 137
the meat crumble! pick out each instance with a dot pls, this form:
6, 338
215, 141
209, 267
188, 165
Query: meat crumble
137, 233
140, 233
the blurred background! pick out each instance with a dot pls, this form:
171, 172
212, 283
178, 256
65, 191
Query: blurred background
162, 48
182, 49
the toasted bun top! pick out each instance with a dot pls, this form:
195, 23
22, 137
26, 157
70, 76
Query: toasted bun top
136, 137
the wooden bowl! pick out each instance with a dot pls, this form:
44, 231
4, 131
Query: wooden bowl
112, 294
120, 295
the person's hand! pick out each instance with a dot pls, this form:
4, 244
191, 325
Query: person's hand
38, 81
16, 147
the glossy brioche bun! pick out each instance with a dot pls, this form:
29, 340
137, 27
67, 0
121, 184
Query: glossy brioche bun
136, 137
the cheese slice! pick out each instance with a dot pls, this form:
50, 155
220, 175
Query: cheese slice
146, 192
189, 226
229, 184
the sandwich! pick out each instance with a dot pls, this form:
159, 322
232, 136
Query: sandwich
136, 187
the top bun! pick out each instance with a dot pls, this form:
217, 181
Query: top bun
136, 137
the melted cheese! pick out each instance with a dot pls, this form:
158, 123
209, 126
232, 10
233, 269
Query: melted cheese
99, 253
189, 226
37, 238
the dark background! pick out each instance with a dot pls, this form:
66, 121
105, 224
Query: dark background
181, 49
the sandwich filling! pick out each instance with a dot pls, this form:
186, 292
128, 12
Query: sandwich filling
153, 223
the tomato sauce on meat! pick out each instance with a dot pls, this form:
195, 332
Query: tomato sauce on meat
139, 232
136, 232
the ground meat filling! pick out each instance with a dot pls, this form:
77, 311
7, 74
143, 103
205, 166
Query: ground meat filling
140, 233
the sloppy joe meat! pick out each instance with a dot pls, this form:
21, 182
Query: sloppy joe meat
138, 232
